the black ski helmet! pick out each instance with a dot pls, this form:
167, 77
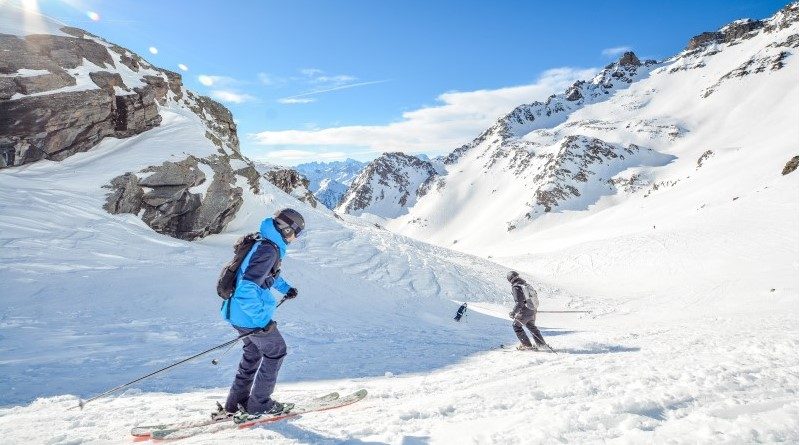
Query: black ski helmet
289, 222
513, 275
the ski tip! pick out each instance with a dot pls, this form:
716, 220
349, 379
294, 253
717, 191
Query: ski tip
360, 393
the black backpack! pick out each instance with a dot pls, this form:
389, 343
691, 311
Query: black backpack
226, 283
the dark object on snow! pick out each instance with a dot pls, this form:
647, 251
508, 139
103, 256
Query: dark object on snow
791, 165
460, 312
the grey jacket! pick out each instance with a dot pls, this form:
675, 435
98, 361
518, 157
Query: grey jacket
518, 291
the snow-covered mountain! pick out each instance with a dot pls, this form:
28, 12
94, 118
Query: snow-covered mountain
387, 186
630, 138
328, 181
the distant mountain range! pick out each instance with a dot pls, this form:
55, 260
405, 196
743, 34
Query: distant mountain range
328, 181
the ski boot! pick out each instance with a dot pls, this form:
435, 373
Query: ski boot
220, 414
522, 347
277, 409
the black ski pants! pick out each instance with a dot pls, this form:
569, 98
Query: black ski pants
262, 357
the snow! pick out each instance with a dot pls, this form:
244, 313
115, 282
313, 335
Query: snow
23, 72
692, 288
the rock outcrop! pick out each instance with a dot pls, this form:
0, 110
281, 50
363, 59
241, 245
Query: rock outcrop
790, 166
178, 198
46, 113
291, 182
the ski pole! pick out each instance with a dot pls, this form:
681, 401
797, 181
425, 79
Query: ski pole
566, 312
83, 403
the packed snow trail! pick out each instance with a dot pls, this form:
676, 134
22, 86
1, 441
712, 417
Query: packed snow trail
619, 381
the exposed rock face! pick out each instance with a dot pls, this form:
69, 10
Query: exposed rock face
173, 200
57, 125
291, 182
745, 29
576, 162
388, 185
790, 166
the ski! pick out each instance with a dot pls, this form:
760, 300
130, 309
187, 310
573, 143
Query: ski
182, 433
143, 432
507, 348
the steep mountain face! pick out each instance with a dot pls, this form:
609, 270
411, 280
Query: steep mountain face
69, 91
328, 181
388, 186
637, 130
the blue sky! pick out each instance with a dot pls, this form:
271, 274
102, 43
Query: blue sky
325, 80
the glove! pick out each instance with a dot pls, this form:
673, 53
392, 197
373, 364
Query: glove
291, 293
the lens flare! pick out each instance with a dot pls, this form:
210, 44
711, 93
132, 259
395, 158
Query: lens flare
93, 16
153, 50
183, 67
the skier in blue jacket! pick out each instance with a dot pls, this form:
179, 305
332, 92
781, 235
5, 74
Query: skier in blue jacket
251, 308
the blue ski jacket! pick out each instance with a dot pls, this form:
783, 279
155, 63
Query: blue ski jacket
252, 304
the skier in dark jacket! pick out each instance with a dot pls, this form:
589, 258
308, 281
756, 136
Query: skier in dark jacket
526, 302
251, 308
460, 312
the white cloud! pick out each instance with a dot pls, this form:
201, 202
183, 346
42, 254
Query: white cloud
311, 72
231, 96
183, 67
460, 118
297, 156
153, 50
218, 81
298, 100
616, 51
340, 79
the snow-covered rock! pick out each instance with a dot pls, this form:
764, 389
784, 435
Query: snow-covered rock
289, 180
388, 186
91, 90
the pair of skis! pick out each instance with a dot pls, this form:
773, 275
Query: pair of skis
182, 430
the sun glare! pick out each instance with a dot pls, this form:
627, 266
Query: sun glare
32, 18
93, 16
